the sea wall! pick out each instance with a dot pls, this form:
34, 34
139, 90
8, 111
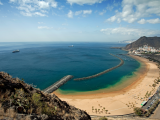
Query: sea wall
101, 73
59, 83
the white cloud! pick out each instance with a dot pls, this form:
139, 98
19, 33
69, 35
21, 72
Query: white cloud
142, 21
70, 14
34, 7
78, 12
152, 21
1, 3
87, 11
26, 8
81, 2
118, 20
44, 27
39, 14
134, 10
129, 31
32, 14
26, 14
43, 4
44, 11
84, 12
112, 19
101, 13
53, 3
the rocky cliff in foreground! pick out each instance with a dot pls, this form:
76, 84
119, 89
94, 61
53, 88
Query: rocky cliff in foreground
17, 98
150, 41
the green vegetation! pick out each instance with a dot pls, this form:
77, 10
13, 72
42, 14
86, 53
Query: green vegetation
20, 99
36, 99
131, 105
42, 107
100, 110
103, 118
25, 103
138, 111
150, 110
147, 114
148, 94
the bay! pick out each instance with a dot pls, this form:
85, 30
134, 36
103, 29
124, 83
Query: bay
44, 63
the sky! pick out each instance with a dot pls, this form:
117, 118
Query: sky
78, 20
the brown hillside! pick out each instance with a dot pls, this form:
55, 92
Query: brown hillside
151, 41
21, 98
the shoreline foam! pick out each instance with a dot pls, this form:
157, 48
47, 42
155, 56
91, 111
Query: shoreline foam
115, 102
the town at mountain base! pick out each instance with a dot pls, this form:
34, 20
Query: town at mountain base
149, 41
21, 100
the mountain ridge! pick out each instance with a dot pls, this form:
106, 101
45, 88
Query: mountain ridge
150, 41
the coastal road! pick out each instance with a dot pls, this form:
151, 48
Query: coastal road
156, 114
150, 102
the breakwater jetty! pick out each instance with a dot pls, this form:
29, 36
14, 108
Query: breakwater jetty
59, 83
101, 73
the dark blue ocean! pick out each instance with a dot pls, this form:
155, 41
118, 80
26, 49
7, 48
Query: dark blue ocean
44, 63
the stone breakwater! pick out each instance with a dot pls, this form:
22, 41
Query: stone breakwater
59, 83
106, 71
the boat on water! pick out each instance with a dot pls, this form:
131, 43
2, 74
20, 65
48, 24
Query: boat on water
70, 46
15, 51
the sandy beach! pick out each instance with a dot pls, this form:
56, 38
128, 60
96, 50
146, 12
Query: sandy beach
118, 102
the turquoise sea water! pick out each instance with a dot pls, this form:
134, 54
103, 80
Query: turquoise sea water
45, 63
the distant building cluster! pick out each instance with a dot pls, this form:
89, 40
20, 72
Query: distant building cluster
127, 41
145, 49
